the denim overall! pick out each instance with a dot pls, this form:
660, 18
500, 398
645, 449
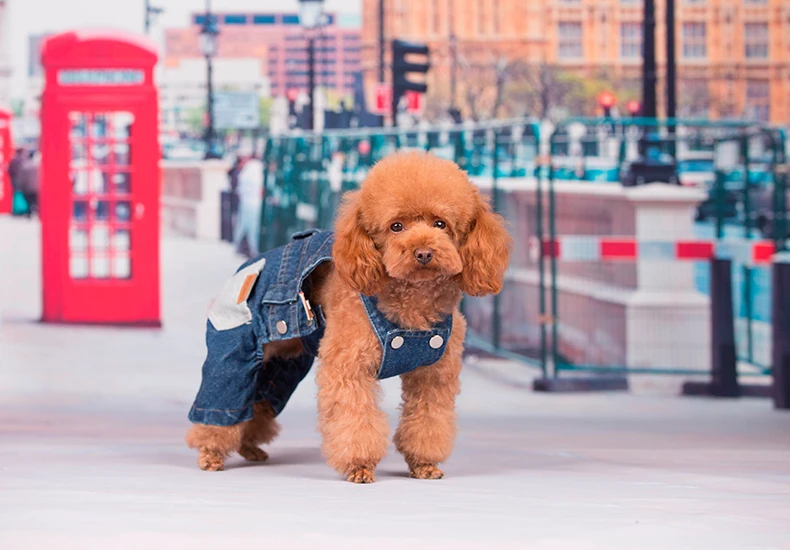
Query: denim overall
265, 302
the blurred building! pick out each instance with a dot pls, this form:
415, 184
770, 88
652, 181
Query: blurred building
5, 58
278, 43
183, 93
733, 55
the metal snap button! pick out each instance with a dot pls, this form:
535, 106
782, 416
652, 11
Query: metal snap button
397, 342
282, 327
436, 342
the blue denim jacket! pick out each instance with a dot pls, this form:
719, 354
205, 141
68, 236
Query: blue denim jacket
265, 302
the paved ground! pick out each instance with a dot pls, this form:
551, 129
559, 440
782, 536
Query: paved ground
91, 452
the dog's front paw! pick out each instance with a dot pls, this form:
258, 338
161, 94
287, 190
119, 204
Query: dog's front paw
362, 475
211, 461
426, 471
253, 453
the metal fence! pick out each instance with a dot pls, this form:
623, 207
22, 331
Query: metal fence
563, 315
649, 311
307, 173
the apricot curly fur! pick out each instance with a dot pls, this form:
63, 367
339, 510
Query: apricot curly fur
470, 254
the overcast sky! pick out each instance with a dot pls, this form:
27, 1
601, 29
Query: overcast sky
38, 16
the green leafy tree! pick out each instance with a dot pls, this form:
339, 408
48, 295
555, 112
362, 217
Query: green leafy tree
17, 106
193, 118
266, 111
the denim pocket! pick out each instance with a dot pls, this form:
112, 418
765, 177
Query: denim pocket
230, 310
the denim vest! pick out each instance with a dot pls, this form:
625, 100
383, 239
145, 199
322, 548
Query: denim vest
405, 350
265, 302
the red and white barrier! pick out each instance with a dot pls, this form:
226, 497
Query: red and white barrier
589, 248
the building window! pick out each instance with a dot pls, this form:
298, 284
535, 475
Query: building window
693, 1
263, 19
235, 19
437, 20
758, 105
481, 17
569, 40
630, 40
290, 19
763, 2
495, 16
756, 40
694, 41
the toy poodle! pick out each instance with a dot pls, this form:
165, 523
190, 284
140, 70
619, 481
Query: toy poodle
378, 298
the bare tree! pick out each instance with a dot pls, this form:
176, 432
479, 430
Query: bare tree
484, 86
694, 98
543, 87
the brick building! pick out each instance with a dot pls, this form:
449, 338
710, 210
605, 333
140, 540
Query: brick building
733, 55
279, 42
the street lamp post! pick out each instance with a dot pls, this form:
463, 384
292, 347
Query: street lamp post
311, 14
208, 46
649, 60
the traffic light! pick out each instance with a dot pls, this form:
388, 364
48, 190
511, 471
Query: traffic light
401, 68
607, 100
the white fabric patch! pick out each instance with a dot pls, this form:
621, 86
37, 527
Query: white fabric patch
230, 310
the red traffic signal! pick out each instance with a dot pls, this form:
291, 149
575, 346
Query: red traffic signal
292, 94
414, 101
606, 100
633, 107
383, 98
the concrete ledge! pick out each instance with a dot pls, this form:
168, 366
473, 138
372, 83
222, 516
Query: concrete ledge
581, 384
191, 197
708, 389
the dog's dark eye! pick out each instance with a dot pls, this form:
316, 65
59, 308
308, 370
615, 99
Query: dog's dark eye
396, 227
440, 224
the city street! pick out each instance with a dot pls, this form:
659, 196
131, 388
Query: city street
92, 421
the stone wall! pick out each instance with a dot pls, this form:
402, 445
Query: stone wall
191, 197
637, 314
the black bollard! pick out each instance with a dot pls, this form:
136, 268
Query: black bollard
781, 331
724, 370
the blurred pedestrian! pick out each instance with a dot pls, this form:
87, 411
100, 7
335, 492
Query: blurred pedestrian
233, 183
250, 191
28, 180
13, 166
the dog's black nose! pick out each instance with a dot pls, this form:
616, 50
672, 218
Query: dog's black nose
423, 255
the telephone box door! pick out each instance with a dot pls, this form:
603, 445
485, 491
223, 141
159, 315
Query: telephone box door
111, 240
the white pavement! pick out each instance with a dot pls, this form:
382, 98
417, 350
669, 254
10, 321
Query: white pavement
92, 453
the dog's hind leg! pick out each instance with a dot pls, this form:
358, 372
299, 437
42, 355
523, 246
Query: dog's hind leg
214, 444
263, 428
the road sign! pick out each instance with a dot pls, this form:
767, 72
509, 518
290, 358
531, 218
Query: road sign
383, 98
236, 111
414, 102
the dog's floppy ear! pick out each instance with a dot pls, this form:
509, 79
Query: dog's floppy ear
357, 261
485, 252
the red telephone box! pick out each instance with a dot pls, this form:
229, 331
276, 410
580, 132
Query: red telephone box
100, 180
6, 153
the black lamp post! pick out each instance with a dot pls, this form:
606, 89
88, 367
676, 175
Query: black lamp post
311, 15
208, 46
